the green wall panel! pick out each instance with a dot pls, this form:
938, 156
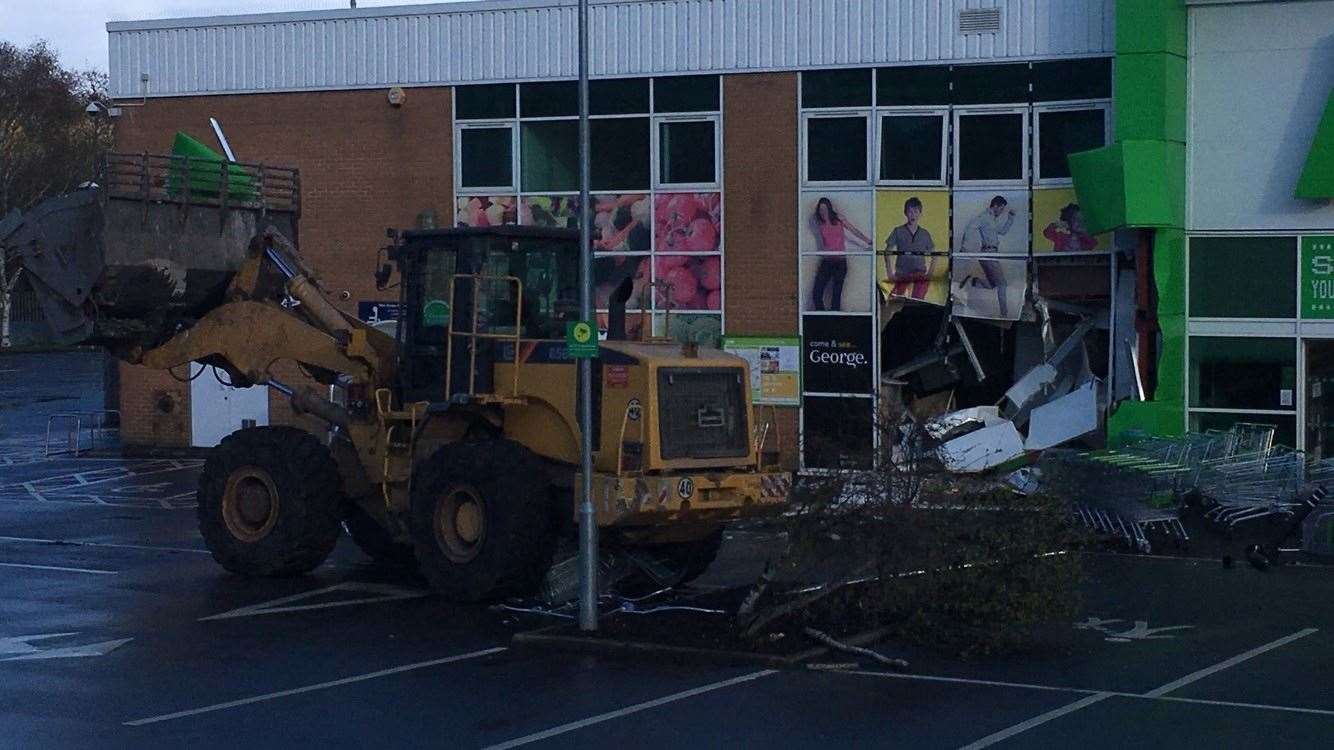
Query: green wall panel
1131, 184
1151, 96
1100, 187
1172, 359
1152, 417
1317, 180
1169, 271
1150, 26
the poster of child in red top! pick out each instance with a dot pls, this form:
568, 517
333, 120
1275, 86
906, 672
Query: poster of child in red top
1058, 225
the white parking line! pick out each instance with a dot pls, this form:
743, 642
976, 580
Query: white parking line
570, 727
59, 568
1064, 689
1158, 693
1234, 661
67, 542
1021, 727
313, 688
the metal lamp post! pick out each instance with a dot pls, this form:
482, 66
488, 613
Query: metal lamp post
588, 529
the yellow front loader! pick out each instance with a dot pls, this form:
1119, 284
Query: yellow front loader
452, 444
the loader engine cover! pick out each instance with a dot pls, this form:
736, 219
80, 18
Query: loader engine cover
702, 413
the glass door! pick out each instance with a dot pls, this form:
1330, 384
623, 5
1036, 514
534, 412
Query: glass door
1320, 398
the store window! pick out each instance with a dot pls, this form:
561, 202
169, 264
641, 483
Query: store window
486, 157
553, 99
823, 89
491, 102
991, 146
1243, 373
836, 149
550, 155
1285, 425
620, 153
991, 84
687, 152
912, 85
1062, 132
912, 148
618, 96
1065, 80
1243, 277
686, 94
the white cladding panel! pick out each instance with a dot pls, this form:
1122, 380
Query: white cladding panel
508, 40
1260, 74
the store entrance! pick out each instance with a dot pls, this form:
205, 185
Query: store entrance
1320, 398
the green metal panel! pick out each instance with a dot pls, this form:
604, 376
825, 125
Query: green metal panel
1317, 180
1169, 271
1100, 187
1151, 97
1152, 417
1150, 26
1131, 184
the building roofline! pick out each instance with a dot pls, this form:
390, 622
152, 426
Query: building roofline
349, 14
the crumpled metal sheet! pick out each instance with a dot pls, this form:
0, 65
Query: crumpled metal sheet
982, 449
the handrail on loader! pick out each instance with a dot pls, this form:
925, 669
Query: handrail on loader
473, 334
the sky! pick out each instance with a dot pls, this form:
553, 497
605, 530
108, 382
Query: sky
76, 29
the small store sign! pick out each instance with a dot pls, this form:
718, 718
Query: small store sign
1318, 277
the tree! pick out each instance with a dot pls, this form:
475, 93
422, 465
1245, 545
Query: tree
48, 145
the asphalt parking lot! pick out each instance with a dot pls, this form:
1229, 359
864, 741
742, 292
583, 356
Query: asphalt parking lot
117, 630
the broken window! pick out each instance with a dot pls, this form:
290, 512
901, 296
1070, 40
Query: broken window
550, 155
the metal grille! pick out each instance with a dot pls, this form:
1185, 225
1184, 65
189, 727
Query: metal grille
703, 414
979, 21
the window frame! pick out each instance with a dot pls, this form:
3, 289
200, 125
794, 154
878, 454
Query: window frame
946, 138
960, 112
655, 154
1070, 106
511, 189
871, 169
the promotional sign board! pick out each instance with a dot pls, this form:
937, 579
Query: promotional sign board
1318, 277
775, 372
837, 354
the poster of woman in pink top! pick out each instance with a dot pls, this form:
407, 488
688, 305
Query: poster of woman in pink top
833, 233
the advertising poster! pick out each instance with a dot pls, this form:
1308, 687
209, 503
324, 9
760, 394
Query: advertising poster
1058, 225
989, 288
836, 283
559, 211
485, 210
775, 367
837, 354
1318, 277
610, 270
622, 223
691, 282
687, 222
991, 222
913, 238
835, 222
705, 330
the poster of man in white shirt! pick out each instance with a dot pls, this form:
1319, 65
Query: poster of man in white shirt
989, 277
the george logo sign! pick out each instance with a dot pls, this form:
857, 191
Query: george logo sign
581, 340
1318, 277
837, 354
685, 488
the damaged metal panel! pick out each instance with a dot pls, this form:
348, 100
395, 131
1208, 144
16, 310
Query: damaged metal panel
982, 449
1067, 418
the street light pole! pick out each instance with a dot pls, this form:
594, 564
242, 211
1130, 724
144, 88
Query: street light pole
588, 528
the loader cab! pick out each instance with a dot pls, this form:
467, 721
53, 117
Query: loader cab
479, 287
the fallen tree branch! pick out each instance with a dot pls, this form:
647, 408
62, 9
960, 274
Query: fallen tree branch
828, 640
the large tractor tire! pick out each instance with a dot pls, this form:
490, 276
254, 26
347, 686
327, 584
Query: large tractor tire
378, 544
269, 501
482, 520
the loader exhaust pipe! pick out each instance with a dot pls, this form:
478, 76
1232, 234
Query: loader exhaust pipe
616, 310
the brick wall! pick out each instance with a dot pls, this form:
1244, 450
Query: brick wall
760, 195
364, 166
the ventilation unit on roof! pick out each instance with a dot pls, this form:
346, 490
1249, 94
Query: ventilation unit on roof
979, 21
